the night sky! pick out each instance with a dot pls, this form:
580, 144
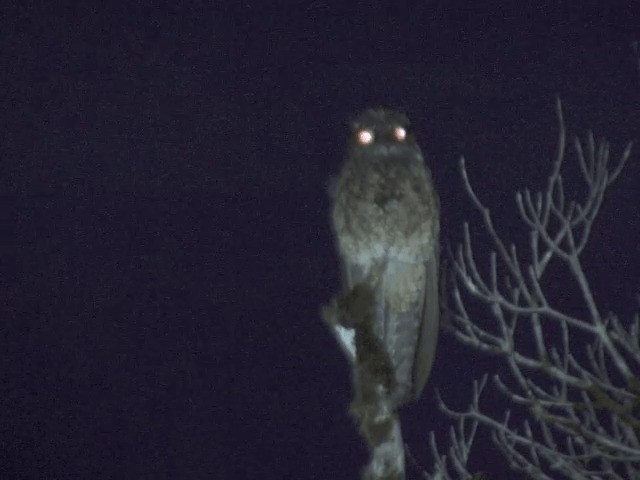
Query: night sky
166, 240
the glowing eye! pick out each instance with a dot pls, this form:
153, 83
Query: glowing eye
365, 137
400, 133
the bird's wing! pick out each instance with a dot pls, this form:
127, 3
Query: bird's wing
397, 319
352, 274
428, 333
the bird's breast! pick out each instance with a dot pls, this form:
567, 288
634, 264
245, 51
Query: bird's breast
380, 215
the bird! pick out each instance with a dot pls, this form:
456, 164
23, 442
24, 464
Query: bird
386, 220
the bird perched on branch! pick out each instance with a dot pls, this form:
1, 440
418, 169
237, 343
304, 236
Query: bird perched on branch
386, 221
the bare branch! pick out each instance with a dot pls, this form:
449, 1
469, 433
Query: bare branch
581, 387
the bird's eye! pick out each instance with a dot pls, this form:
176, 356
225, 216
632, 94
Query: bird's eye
365, 137
400, 134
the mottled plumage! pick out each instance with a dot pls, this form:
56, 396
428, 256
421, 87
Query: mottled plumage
386, 220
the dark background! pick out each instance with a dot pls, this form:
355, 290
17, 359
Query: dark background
166, 243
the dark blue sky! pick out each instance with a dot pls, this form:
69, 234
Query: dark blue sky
167, 245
